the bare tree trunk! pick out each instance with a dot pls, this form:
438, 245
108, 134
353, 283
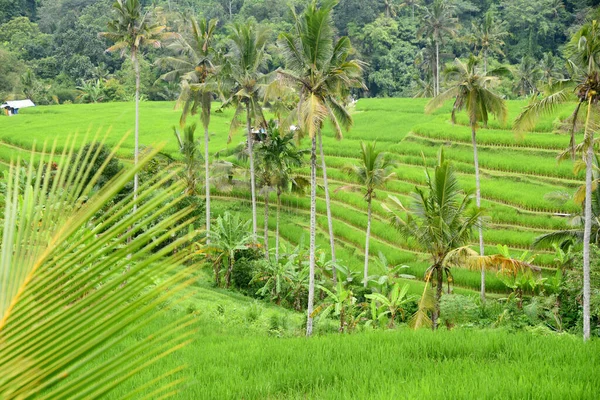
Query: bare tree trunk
266, 235
328, 206
136, 67
589, 158
252, 177
437, 68
366, 274
277, 226
485, 62
478, 203
313, 223
438, 296
207, 179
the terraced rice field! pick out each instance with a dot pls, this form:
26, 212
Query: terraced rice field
517, 172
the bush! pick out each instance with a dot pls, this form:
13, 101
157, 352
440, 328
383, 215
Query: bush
456, 309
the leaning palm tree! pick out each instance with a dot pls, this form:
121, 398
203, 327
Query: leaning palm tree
373, 172
440, 220
193, 64
470, 92
438, 23
488, 37
584, 88
246, 62
70, 294
131, 31
319, 69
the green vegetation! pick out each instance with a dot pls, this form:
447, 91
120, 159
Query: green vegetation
112, 255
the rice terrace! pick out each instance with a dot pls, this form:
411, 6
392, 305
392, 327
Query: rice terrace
299, 200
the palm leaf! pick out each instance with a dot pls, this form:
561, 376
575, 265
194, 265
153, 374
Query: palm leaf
420, 318
71, 286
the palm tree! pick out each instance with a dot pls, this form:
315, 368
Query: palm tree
390, 8
194, 66
64, 304
488, 36
470, 92
188, 147
437, 23
440, 220
320, 70
373, 173
246, 61
230, 234
412, 4
527, 75
549, 71
277, 157
584, 87
131, 32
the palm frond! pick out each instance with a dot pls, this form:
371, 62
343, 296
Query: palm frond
72, 288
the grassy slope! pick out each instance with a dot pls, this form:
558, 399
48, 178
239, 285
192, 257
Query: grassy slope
245, 349
517, 173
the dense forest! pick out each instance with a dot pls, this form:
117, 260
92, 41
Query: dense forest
51, 51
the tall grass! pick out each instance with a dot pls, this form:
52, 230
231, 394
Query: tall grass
229, 360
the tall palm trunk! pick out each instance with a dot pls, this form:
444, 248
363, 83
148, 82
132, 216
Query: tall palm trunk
277, 225
313, 223
136, 68
366, 274
328, 206
478, 203
437, 68
266, 234
485, 62
587, 229
207, 171
251, 158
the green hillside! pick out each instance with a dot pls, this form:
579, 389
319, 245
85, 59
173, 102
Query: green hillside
517, 172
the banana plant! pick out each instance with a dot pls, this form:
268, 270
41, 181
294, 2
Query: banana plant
394, 303
339, 303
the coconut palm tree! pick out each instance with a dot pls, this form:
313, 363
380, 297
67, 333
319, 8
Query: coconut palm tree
488, 37
412, 4
549, 70
319, 69
390, 7
188, 147
131, 31
440, 220
277, 156
584, 88
470, 92
193, 64
373, 172
438, 23
246, 63
527, 76
69, 293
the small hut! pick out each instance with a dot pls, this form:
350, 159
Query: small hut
12, 107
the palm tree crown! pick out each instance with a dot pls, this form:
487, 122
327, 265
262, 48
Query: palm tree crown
469, 89
130, 30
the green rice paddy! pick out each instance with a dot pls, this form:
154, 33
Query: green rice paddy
518, 171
